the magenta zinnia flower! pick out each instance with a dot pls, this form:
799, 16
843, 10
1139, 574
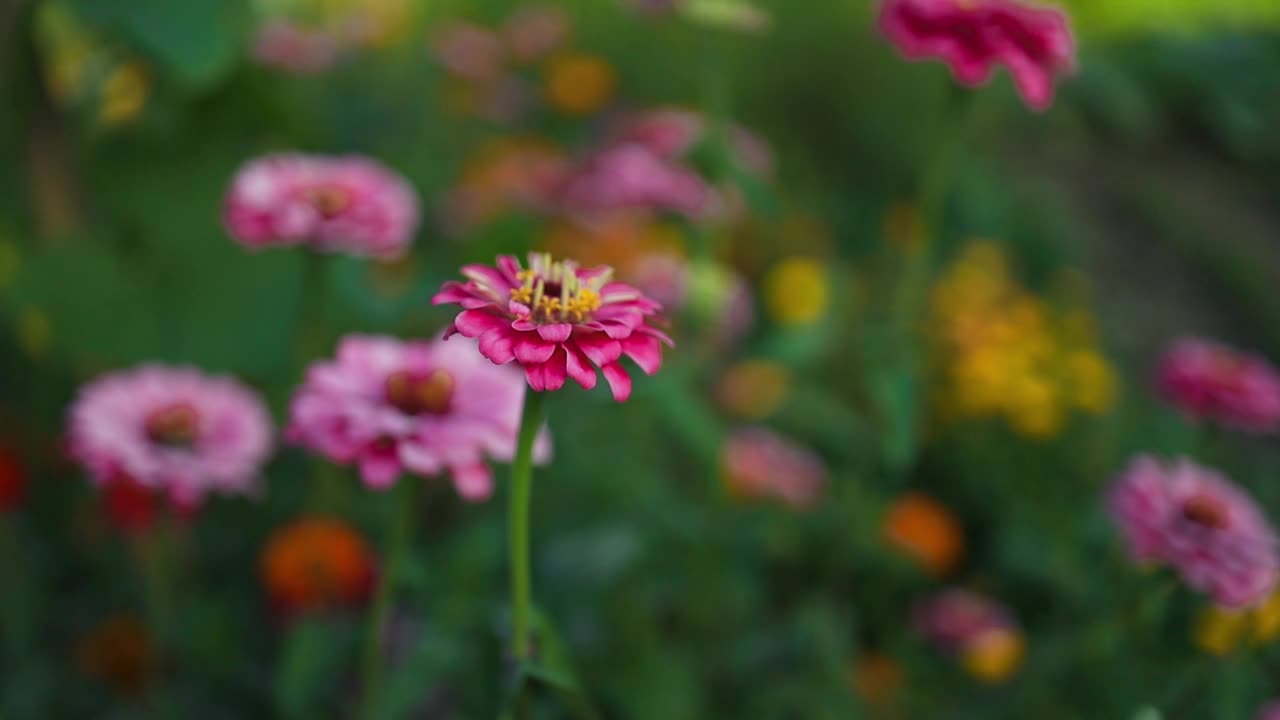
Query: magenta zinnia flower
973, 36
632, 176
759, 463
171, 429
556, 319
1208, 380
428, 408
955, 618
1197, 521
347, 204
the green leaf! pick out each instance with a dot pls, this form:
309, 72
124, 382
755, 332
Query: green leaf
197, 41
313, 655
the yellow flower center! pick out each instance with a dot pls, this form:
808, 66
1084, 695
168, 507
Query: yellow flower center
554, 293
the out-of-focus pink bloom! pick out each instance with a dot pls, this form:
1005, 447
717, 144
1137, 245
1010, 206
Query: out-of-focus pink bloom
428, 408
533, 31
557, 320
663, 276
955, 618
1270, 711
759, 463
170, 429
348, 204
1211, 381
286, 46
973, 36
630, 176
1197, 521
673, 132
469, 51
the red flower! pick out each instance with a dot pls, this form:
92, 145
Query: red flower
973, 36
13, 480
556, 320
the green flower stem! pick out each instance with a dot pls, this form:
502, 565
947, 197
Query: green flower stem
403, 509
310, 338
13, 576
156, 552
518, 523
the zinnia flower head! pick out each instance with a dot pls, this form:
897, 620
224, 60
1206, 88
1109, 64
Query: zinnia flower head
955, 618
428, 408
1197, 521
349, 204
174, 430
926, 530
557, 320
759, 463
290, 47
630, 176
1211, 381
974, 36
316, 563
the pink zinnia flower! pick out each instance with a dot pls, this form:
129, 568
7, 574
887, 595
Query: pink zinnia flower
286, 46
347, 204
556, 319
759, 463
1208, 380
973, 36
1195, 520
533, 31
953, 619
392, 406
170, 429
673, 132
469, 51
631, 176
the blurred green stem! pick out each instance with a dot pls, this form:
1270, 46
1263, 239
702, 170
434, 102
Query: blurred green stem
402, 511
13, 576
155, 553
309, 337
934, 184
518, 523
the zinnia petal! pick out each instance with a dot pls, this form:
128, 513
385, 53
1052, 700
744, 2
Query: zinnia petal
619, 381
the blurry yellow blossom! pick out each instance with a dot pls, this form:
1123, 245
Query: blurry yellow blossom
796, 291
123, 94
35, 332
994, 655
753, 389
578, 84
1219, 631
1004, 352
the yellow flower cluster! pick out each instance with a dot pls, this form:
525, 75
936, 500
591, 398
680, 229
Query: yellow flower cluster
1004, 352
81, 69
1220, 631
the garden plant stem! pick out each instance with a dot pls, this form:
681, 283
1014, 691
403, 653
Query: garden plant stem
402, 511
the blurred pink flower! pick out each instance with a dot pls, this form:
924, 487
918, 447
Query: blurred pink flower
631, 176
469, 51
955, 618
673, 132
973, 36
557, 320
170, 429
759, 463
1197, 521
286, 46
1270, 711
392, 406
533, 31
349, 204
1208, 380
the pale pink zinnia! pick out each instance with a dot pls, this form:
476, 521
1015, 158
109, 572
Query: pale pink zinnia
1194, 519
1270, 711
170, 429
759, 463
557, 320
427, 408
1211, 381
632, 176
974, 36
349, 204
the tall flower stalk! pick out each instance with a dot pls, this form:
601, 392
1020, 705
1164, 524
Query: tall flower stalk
404, 503
533, 417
